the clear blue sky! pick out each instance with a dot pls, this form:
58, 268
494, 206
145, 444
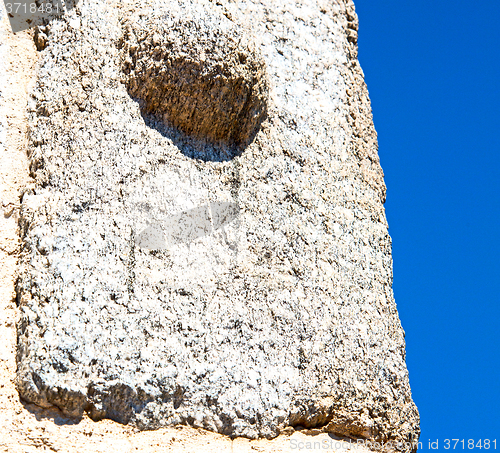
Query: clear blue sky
433, 73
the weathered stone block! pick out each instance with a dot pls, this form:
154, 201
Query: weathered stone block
277, 313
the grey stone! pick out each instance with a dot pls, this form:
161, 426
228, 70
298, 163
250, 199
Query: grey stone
281, 313
152, 238
187, 226
223, 213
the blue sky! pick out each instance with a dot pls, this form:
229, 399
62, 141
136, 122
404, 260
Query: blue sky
433, 73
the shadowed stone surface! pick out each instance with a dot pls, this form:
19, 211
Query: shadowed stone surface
282, 316
195, 69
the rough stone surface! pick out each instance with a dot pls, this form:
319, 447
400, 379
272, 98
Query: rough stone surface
284, 316
195, 69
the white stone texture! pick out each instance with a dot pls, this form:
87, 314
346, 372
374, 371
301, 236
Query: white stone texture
285, 315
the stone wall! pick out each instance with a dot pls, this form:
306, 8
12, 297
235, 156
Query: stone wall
143, 118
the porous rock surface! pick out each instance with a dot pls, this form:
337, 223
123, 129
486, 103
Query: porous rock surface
282, 317
196, 70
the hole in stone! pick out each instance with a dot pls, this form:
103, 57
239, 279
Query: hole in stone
198, 78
